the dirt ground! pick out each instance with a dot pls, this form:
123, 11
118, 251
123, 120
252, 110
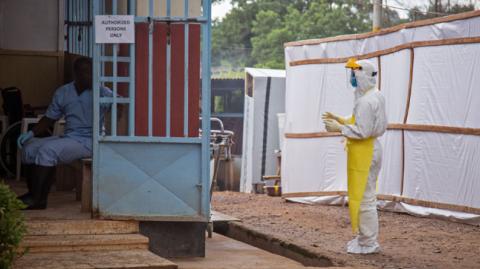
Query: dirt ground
406, 241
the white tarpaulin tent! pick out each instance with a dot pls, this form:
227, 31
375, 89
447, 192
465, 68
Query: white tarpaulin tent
429, 73
264, 98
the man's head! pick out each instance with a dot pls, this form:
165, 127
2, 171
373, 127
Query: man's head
363, 74
82, 72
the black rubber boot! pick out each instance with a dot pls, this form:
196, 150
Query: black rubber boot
29, 180
42, 181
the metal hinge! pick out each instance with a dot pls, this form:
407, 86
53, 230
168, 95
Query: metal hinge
150, 25
168, 33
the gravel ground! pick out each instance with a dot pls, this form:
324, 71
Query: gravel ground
406, 241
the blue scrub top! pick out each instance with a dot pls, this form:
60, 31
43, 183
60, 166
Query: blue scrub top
77, 110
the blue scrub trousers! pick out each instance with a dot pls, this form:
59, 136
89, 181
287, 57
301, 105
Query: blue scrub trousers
50, 151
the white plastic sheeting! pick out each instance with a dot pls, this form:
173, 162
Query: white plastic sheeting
400, 207
260, 126
453, 29
281, 129
439, 167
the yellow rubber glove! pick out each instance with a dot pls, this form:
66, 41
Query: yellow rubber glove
331, 116
332, 125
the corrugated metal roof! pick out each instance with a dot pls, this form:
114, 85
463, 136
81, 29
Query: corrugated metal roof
261, 72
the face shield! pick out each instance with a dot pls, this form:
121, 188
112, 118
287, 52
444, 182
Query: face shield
362, 74
350, 74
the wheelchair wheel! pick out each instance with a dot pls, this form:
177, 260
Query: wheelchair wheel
8, 148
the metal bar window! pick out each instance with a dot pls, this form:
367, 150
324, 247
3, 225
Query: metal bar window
169, 76
115, 76
150, 76
150, 68
96, 114
171, 19
169, 8
78, 27
109, 60
131, 88
119, 59
119, 100
114, 79
206, 63
186, 50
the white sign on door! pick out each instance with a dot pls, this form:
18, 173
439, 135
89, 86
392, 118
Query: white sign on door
114, 29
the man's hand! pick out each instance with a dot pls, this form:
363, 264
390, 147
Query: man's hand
43, 126
23, 138
331, 116
332, 125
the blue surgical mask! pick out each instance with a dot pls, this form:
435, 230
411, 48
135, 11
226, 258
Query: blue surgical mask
353, 79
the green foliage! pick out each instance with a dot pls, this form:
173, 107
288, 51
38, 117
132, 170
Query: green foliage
254, 31
12, 227
435, 8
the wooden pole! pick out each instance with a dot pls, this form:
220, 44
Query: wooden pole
377, 15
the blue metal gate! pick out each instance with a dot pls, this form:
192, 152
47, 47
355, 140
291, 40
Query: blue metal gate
150, 160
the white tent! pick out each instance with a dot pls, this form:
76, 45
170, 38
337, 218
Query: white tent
264, 98
429, 73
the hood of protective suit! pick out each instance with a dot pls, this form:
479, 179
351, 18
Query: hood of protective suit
366, 77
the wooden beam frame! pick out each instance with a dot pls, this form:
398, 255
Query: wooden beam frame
312, 135
379, 74
31, 53
396, 127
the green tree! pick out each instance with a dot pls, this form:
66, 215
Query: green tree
231, 37
254, 32
437, 8
268, 30
316, 19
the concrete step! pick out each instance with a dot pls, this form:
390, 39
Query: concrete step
71, 227
67, 243
132, 259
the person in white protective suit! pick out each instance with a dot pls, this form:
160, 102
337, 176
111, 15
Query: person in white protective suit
368, 122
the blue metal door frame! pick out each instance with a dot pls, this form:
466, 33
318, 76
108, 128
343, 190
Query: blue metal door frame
120, 162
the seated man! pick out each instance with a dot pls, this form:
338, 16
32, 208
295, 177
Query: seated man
74, 101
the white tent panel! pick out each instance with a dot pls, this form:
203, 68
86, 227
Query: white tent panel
281, 129
442, 168
445, 88
260, 85
314, 165
313, 90
391, 174
421, 211
259, 72
429, 166
262, 104
247, 147
395, 75
276, 106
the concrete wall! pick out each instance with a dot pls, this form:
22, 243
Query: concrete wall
36, 76
31, 48
30, 25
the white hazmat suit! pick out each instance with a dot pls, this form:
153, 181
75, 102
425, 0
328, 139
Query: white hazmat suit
370, 122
